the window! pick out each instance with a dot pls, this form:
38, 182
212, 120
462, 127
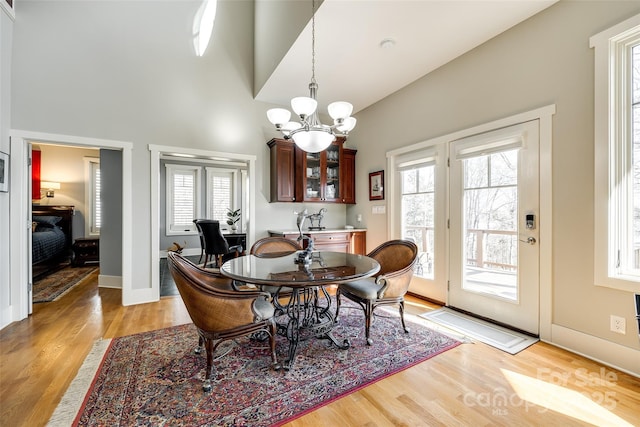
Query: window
417, 189
617, 153
220, 193
92, 196
183, 198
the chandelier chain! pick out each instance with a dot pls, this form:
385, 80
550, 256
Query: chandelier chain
309, 134
313, 41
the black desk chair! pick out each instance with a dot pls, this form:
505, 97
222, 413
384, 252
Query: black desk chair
214, 244
201, 240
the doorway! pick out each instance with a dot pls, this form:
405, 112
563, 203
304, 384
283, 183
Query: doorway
438, 227
494, 211
20, 210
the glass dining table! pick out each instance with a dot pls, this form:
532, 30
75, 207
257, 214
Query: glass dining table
308, 309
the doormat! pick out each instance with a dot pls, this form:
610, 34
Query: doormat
496, 336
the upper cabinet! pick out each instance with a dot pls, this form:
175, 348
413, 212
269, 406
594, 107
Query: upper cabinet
298, 176
283, 178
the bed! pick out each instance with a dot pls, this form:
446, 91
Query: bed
51, 235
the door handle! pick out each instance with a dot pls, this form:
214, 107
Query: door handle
530, 240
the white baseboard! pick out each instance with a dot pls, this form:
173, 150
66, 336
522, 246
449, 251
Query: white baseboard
141, 296
185, 252
105, 281
617, 356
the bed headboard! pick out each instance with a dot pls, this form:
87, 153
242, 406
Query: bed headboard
64, 212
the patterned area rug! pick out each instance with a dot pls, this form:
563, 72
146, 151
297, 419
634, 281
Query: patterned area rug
155, 378
53, 286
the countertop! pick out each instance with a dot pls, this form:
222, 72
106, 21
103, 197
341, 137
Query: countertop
326, 230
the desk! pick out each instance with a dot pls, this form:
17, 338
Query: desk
234, 239
306, 310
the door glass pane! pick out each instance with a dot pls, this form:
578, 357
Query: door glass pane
635, 180
418, 199
491, 224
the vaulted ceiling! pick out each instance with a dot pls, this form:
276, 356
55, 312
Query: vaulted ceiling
352, 61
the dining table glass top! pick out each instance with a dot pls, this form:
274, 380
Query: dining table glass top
325, 268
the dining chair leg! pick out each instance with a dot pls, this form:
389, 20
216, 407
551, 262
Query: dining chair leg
206, 386
338, 301
198, 349
404, 325
368, 314
272, 344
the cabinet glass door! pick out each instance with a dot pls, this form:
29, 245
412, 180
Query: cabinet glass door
313, 174
332, 186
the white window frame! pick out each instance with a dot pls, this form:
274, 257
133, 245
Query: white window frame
612, 144
90, 199
211, 173
413, 161
171, 170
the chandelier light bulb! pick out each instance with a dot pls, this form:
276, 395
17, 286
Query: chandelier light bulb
340, 110
313, 141
278, 116
304, 106
347, 125
290, 127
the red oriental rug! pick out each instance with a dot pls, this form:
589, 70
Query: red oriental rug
155, 378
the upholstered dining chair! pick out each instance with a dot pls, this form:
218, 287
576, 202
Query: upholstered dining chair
268, 247
388, 286
219, 312
215, 245
273, 247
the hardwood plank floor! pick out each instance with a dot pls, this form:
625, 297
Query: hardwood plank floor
471, 385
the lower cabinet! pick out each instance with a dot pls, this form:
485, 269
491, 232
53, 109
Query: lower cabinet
348, 241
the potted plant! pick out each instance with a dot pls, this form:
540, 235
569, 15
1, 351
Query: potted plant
233, 216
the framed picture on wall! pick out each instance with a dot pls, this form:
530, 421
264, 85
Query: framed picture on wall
376, 185
7, 5
4, 172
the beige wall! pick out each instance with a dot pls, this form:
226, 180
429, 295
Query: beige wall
545, 60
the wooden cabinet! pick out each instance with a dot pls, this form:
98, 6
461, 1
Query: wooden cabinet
348, 176
334, 242
348, 241
283, 176
298, 176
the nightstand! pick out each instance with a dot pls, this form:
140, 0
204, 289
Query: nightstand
86, 249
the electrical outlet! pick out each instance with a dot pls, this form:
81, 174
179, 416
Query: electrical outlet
618, 324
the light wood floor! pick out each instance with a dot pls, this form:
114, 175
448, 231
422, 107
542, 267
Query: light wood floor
471, 385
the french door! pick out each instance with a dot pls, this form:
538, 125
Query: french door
493, 228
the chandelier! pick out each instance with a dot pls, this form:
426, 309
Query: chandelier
309, 133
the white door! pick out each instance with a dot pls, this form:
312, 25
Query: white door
493, 213
30, 232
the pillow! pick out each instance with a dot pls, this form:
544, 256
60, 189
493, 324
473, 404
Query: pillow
53, 220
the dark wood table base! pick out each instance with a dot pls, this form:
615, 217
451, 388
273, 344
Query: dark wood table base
307, 316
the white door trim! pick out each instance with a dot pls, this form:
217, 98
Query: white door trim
156, 152
20, 200
545, 116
